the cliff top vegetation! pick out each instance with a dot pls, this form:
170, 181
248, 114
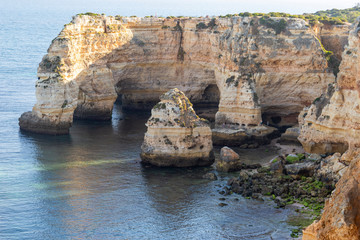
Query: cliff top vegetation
330, 17
327, 17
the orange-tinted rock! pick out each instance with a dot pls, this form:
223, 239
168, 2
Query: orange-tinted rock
332, 123
341, 217
257, 71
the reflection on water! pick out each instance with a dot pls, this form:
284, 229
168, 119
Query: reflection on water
91, 185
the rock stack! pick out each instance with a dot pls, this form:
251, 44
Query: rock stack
176, 136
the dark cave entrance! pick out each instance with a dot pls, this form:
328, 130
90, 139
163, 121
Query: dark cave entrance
278, 121
208, 105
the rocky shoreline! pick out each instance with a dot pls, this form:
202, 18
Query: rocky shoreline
302, 182
258, 78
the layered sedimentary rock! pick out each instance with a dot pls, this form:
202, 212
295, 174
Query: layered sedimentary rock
332, 123
333, 37
74, 75
257, 69
176, 136
341, 217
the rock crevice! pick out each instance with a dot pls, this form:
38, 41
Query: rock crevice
332, 123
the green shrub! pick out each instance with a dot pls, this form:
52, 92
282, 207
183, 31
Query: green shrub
278, 25
89, 14
201, 25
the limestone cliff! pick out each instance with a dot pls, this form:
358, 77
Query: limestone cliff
176, 136
332, 123
341, 217
263, 69
74, 78
333, 37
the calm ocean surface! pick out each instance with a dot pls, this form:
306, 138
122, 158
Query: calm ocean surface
90, 184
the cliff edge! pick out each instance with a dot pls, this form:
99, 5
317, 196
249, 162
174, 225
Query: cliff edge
255, 69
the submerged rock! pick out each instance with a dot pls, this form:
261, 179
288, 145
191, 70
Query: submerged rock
210, 176
229, 160
176, 136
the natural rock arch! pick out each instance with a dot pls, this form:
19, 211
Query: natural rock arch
96, 58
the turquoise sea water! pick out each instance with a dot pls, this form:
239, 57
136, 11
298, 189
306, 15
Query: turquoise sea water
90, 184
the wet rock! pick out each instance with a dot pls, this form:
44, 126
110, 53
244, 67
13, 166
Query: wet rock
245, 174
229, 160
231, 181
280, 203
277, 166
263, 169
223, 204
256, 196
300, 169
210, 176
314, 157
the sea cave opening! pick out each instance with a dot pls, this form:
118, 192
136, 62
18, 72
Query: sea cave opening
208, 105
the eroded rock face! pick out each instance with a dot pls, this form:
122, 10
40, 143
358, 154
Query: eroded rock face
341, 217
333, 37
176, 136
75, 75
332, 123
258, 72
